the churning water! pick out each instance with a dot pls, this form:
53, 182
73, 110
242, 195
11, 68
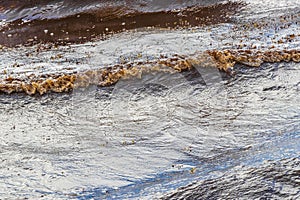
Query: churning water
158, 132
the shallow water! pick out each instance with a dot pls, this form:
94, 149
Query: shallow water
144, 137
66, 22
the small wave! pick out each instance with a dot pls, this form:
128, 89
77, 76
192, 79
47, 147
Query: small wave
86, 23
224, 60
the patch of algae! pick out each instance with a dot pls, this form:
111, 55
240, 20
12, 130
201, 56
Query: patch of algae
222, 59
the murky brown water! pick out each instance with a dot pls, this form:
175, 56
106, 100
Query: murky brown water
231, 132
77, 22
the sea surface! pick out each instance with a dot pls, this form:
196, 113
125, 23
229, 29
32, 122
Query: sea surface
200, 133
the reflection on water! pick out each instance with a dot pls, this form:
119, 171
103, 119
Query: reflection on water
65, 22
146, 136
45, 9
150, 134
280, 182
